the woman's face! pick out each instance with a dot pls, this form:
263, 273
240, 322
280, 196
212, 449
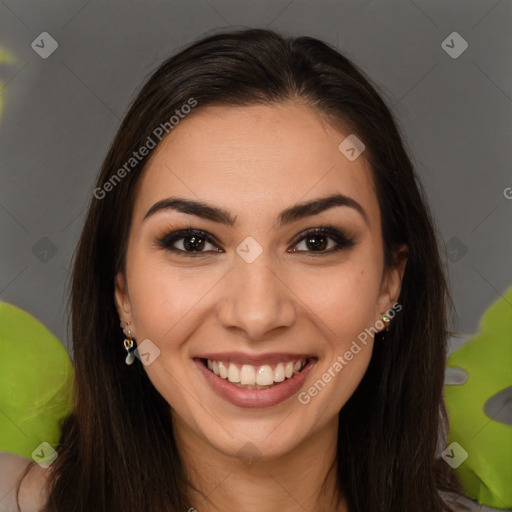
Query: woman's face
255, 294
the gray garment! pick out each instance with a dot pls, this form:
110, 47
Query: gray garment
460, 503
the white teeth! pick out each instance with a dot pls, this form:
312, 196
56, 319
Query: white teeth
247, 375
255, 377
223, 371
265, 376
279, 375
233, 373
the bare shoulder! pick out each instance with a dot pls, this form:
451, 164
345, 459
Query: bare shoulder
32, 491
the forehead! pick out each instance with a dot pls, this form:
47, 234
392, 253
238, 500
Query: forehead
254, 157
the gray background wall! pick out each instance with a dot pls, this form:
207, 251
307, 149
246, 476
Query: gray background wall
61, 113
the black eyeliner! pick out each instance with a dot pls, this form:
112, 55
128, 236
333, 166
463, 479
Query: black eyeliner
342, 241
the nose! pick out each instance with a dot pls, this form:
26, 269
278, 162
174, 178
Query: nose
256, 299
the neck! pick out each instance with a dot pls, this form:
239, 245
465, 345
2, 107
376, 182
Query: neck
304, 479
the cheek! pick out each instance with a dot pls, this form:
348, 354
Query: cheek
343, 296
168, 303
344, 304
159, 297
164, 308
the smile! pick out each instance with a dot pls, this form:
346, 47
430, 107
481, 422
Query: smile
255, 383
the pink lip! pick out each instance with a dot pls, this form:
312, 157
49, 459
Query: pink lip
255, 398
242, 358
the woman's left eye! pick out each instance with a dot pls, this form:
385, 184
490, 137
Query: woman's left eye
317, 240
194, 241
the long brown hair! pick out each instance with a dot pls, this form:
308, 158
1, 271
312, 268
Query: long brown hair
117, 451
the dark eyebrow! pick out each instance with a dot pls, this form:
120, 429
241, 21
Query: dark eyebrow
292, 214
317, 206
197, 208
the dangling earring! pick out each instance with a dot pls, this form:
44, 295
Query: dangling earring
387, 321
128, 344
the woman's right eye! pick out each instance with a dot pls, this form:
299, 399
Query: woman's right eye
192, 241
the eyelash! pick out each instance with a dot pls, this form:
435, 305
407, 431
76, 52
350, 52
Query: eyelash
342, 241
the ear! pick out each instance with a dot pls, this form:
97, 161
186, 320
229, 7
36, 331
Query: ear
122, 298
392, 281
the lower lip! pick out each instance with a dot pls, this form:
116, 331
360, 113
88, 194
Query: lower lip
255, 398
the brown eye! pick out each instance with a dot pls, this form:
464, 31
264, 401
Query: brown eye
192, 241
195, 242
317, 241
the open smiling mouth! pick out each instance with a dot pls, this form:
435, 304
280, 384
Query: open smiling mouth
248, 376
267, 381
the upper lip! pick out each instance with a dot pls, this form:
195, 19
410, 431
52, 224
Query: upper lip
255, 360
